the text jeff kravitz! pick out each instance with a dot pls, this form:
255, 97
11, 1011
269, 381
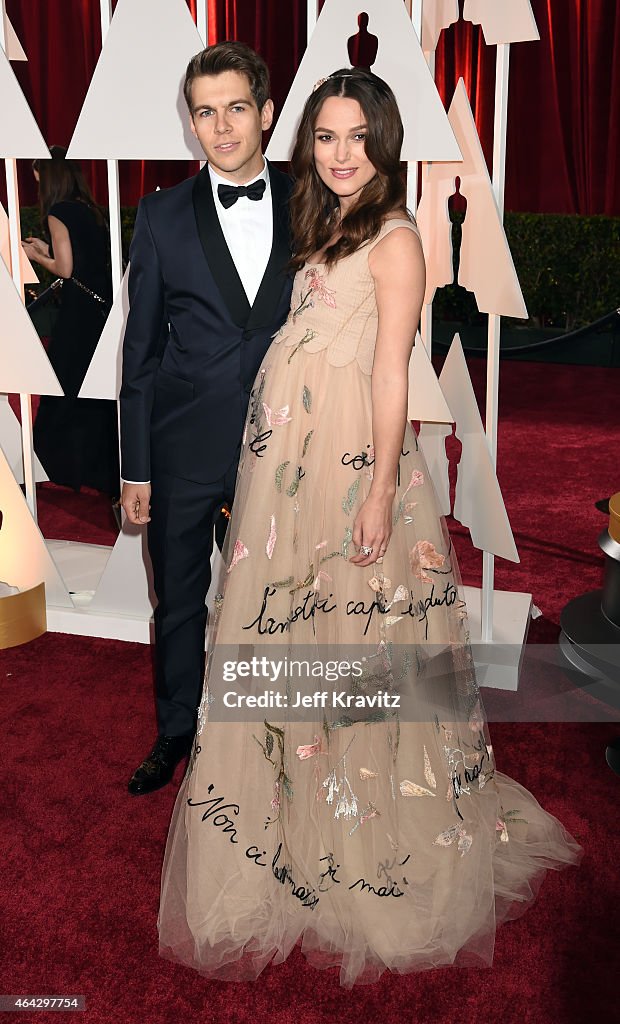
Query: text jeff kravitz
319, 699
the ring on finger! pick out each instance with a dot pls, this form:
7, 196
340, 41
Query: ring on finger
364, 550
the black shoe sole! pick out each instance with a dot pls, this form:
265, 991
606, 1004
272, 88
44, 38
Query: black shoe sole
151, 789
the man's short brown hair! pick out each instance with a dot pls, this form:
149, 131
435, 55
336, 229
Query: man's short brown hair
229, 56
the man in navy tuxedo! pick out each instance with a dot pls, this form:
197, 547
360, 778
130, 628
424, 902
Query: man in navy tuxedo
208, 286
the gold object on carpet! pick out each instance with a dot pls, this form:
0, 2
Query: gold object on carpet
22, 617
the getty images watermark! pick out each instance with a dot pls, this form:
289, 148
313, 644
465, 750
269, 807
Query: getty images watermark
416, 683
285, 670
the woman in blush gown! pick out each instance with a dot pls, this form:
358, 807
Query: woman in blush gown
370, 824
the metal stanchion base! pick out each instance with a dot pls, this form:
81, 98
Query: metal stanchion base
612, 755
590, 643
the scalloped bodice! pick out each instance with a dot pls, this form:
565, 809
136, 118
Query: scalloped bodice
335, 308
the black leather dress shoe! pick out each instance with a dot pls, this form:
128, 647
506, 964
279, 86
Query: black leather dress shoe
158, 768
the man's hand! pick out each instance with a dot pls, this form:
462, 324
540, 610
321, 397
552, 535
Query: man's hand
136, 500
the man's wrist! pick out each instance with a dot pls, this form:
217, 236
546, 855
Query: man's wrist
138, 483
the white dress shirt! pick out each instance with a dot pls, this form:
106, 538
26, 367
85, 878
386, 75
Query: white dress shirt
248, 232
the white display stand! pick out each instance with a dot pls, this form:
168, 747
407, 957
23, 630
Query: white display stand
502, 23
479, 506
498, 663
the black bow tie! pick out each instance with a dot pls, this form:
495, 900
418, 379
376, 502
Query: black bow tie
228, 194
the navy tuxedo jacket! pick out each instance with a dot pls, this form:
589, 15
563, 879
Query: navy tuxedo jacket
193, 344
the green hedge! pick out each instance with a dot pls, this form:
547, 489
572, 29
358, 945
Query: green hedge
568, 266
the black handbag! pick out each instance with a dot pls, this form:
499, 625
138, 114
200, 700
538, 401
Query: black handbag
38, 306
44, 308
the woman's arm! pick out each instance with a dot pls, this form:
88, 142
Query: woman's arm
61, 263
397, 266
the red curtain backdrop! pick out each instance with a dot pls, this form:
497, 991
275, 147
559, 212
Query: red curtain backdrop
563, 109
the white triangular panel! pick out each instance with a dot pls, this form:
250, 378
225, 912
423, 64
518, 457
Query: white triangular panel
24, 366
478, 502
14, 49
134, 107
432, 441
400, 62
103, 377
11, 443
28, 272
503, 21
433, 220
486, 267
19, 132
24, 559
125, 586
426, 400
437, 15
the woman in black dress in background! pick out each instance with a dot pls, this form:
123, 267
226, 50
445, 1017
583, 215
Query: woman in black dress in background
75, 438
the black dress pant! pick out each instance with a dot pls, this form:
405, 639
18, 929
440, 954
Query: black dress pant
180, 537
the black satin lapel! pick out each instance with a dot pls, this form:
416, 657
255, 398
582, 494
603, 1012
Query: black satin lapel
270, 290
217, 253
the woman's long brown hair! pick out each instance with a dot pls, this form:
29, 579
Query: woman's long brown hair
313, 205
61, 179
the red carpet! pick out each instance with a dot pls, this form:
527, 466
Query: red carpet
81, 859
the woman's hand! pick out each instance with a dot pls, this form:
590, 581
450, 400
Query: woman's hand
61, 263
37, 244
35, 248
373, 528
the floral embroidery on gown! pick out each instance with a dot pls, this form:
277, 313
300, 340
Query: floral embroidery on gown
378, 840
